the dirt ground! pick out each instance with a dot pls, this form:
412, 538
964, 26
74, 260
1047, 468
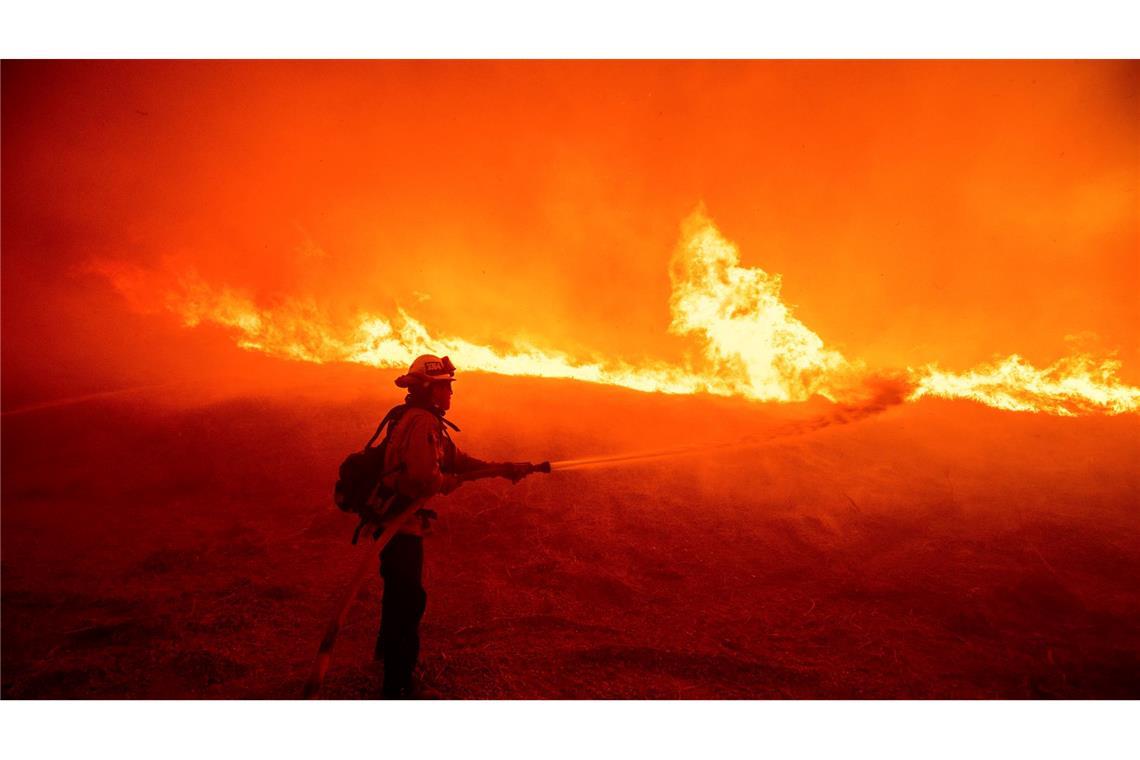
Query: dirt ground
188, 548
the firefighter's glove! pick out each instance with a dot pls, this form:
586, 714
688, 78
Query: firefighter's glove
516, 471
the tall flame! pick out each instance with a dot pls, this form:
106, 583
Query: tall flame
751, 338
751, 344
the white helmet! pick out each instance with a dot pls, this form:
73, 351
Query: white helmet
427, 369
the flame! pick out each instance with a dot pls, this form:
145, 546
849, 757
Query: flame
751, 344
299, 330
1072, 386
752, 341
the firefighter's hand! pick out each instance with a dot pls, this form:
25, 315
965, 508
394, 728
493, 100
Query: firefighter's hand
516, 471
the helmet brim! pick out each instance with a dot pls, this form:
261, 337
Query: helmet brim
418, 378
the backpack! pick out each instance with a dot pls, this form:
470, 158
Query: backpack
361, 474
361, 477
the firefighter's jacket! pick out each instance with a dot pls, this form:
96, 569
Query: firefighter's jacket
430, 460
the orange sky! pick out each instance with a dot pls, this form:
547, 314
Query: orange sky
917, 212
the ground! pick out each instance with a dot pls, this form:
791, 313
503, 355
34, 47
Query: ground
161, 547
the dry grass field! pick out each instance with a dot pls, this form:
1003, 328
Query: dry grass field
161, 547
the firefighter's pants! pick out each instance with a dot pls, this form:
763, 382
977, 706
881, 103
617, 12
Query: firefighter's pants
401, 567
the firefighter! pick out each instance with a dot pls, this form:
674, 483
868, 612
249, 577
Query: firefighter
425, 463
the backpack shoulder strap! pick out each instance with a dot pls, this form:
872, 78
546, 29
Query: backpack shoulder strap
390, 419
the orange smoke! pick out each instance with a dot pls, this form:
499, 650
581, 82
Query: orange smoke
749, 342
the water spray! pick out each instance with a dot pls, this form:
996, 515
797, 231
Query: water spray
841, 416
616, 460
71, 400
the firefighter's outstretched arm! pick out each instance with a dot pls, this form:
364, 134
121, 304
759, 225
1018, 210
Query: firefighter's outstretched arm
465, 463
512, 471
